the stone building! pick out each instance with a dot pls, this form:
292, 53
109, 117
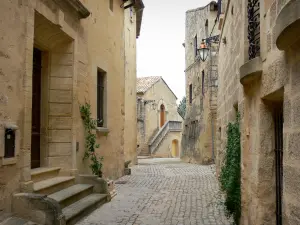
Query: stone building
259, 76
55, 56
198, 138
159, 124
132, 23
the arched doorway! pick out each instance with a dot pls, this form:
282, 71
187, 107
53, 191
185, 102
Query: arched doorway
162, 115
175, 149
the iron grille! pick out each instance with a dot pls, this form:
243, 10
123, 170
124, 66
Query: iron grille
278, 120
254, 28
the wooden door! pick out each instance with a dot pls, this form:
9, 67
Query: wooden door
162, 115
36, 108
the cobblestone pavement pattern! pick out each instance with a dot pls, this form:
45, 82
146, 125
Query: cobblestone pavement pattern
163, 192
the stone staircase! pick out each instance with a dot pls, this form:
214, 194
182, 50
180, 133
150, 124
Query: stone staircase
145, 148
74, 199
170, 126
144, 151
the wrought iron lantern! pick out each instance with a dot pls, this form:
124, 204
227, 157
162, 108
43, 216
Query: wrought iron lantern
203, 51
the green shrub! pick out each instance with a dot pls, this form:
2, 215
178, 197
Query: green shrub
230, 176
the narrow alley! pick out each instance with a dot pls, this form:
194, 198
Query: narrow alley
163, 191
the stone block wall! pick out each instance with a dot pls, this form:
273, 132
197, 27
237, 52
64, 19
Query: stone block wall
198, 138
73, 50
257, 102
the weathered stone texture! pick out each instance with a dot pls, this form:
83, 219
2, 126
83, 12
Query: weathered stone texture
256, 103
199, 129
163, 192
71, 56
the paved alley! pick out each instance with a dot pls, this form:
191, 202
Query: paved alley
163, 192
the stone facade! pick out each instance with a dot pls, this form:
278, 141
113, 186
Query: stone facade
153, 94
260, 89
131, 32
201, 87
76, 40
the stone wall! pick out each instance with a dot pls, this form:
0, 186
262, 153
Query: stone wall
130, 132
106, 27
74, 49
274, 83
199, 125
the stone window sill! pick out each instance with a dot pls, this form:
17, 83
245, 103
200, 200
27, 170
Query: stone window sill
287, 28
8, 161
251, 71
103, 131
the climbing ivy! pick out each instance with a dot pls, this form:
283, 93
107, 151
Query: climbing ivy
90, 126
230, 176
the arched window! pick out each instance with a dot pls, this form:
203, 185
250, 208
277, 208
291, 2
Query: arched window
162, 115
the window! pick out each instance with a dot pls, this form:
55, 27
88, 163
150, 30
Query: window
111, 5
203, 74
100, 97
195, 45
206, 29
191, 93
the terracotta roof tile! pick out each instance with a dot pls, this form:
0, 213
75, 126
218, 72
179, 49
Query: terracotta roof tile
144, 83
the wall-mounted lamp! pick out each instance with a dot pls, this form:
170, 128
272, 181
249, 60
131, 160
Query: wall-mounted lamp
203, 51
153, 104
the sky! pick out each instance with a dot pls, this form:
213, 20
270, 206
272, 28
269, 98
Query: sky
159, 47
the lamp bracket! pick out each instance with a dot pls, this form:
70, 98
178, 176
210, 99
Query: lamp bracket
212, 39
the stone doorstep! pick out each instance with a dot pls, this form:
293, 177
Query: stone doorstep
52, 185
43, 173
41, 170
66, 203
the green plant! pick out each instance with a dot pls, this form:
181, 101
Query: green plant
181, 109
90, 126
230, 176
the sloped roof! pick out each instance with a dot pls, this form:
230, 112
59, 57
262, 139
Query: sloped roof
143, 84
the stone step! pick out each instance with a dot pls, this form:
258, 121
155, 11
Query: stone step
44, 173
52, 185
16, 221
72, 194
144, 154
73, 213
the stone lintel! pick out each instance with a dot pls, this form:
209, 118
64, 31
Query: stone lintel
77, 6
287, 28
251, 71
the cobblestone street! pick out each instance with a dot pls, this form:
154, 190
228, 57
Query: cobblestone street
163, 191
